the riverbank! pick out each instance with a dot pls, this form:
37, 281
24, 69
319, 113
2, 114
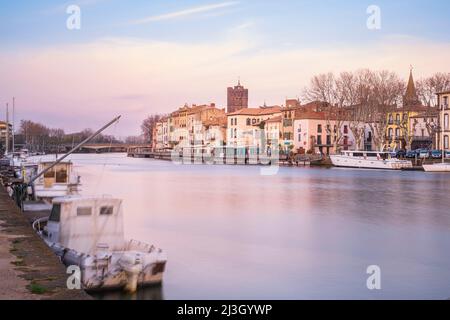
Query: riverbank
28, 268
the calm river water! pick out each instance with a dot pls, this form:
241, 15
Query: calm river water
305, 233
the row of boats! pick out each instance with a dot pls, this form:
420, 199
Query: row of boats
381, 160
86, 231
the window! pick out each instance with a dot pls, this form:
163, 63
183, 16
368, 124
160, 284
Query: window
106, 211
391, 119
55, 215
345, 129
446, 146
84, 211
319, 128
253, 121
397, 132
248, 122
446, 121
423, 132
50, 173
319, 139
390, 132
61, 175
397, 118
299, 137
446, 101
328, 139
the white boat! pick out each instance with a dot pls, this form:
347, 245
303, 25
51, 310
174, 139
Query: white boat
60, 181
369, 160
88, 232
437, 167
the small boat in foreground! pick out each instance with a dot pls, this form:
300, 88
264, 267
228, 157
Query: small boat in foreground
88, 232
369, 160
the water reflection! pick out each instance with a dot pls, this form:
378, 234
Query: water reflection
304, 233
148, 293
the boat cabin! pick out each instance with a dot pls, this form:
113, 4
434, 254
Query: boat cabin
59, 174
375, 155
86, 224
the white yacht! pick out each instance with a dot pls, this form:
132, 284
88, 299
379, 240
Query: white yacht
88, 232
437, 167
369, 160
60, 181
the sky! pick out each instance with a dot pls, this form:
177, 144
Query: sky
139, 57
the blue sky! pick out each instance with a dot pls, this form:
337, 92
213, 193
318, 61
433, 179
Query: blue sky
299, 22
137, 57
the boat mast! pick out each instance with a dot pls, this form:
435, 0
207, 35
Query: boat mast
13, 112
75, 149
7, 129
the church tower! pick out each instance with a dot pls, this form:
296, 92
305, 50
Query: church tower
411, 98
237, 98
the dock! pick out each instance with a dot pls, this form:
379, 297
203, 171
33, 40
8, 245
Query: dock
28, 268
231, 156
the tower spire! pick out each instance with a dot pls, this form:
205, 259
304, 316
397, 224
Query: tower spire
411, 98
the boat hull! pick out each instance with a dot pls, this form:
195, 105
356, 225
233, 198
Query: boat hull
346, 162
437, 167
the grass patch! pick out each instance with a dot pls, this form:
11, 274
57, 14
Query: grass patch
18, 263
36, 288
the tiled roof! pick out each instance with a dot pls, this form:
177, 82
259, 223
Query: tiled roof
256, 111
274, 120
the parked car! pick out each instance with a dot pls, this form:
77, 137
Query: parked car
436, 154
423, 153
447, 154
411, 154
400, 154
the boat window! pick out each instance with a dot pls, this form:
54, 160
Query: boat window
49, 174
61, 175
84, 211
106, 211
358, 154
55, 215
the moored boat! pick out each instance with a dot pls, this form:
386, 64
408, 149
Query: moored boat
59, 181
369, 160
88, 232
437, 167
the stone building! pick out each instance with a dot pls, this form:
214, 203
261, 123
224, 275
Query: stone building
237, 98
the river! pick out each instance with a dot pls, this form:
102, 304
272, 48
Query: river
304, 233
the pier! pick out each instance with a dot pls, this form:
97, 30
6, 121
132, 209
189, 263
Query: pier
28, 268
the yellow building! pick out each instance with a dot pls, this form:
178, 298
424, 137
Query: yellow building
399, 130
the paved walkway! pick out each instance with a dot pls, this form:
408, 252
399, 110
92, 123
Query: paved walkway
28, 268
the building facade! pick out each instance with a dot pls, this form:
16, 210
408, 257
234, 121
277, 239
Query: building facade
444, 115
405, 124
3, 134
245, 128
315, 134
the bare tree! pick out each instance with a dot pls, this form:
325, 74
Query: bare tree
387, 90
356, 92
148, 125
324, 88
428, 87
